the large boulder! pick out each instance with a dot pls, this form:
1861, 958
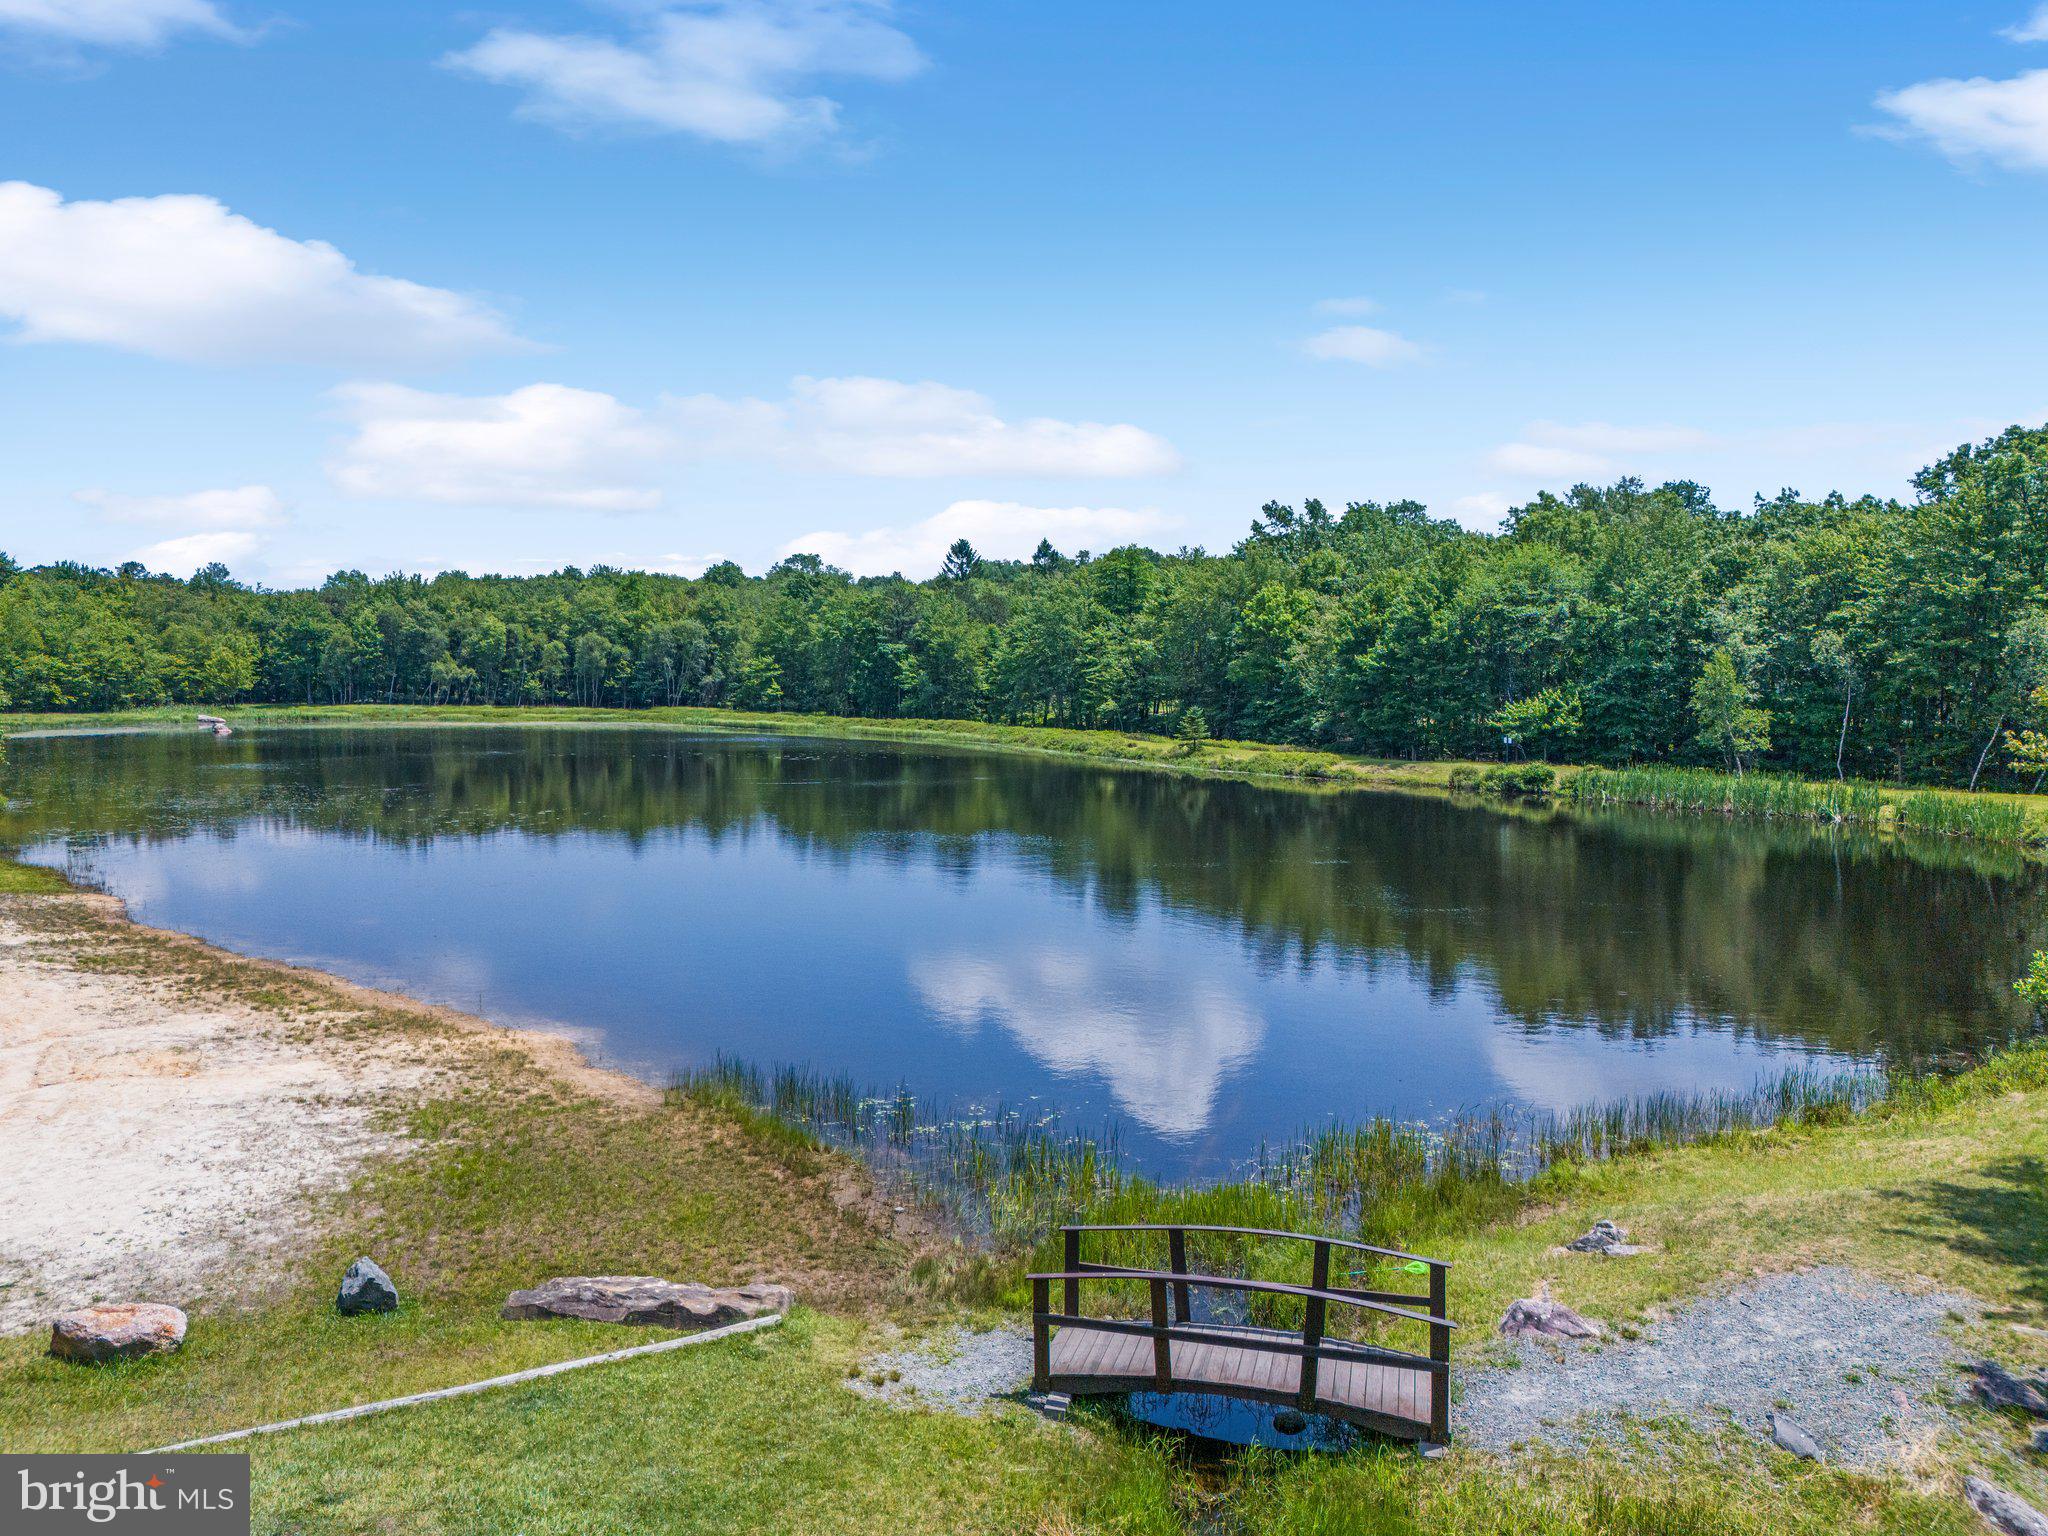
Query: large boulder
645, 1300
2002, 1511
1540, 1317
117, 1331
366, 1288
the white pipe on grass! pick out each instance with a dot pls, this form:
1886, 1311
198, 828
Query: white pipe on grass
363, 1410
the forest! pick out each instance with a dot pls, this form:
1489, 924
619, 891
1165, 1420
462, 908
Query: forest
1899, 640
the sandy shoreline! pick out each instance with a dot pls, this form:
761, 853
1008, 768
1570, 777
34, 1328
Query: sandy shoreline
172, 1116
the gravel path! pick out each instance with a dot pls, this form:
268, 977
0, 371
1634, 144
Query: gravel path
961, 1372
1853, 1360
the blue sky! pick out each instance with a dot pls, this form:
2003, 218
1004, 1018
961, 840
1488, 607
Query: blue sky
305, 285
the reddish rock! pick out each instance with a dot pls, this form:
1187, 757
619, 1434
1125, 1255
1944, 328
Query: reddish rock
117, 1331
645, 1300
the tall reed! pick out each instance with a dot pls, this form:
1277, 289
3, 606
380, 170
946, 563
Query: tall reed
1012, 1178
1778, 796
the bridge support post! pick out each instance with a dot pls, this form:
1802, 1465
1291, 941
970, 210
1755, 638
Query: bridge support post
1072, 1266
1162, 1346
1312, 1328
1439, 1351
1041, 1336
1177, 1261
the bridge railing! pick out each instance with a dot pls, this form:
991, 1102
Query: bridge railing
1172, 1317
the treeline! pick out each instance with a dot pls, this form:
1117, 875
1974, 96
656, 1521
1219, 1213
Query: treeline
1867, 638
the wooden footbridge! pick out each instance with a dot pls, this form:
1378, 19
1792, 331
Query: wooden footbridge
1360, 1381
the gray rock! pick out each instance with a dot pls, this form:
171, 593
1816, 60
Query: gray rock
1540, 1317
366, 1288
1791, 1436
2040, 1446
1604, 1237
2004, 1511
646, 1301
117, 1331
1996, 1387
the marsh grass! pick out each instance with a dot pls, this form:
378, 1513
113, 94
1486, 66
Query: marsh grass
1009, 1180
1701, 792
1766, 796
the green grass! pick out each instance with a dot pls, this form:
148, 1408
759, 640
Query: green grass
2016, 819
1014, 1179
17, 879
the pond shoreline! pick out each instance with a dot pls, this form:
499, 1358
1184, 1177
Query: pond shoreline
184, 1124
1298, 768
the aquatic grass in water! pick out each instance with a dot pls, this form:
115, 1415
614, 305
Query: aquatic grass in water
1952, 816
1011, 1178
1699, 791
1779, 796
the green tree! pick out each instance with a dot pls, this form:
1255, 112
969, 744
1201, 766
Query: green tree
1725, 706
962, 563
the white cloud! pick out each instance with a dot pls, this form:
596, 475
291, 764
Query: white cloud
184, 555
1354, 307
1603, 437
1541, 461
1000, 530
735, 71
1482, 509
683, 565
1163, 1039
2032, 30
1363, 344
546, 445
244, 507
863, 426
2002, 121
116, 23
1551, 450
182, 277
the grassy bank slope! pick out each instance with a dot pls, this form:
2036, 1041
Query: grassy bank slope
1994, 816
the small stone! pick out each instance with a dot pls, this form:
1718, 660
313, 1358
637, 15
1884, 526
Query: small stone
1544, 1318
645, 1301
366, 1288
2002, 1511
1996, 1387
1790, 1435
2040, 1446
1604, 1237
117, 1331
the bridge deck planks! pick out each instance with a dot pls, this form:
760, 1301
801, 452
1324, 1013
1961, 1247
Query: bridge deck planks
1082, 1354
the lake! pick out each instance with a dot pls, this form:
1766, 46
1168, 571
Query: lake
1207, 965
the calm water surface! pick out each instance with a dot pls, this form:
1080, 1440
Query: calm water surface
1206, 964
